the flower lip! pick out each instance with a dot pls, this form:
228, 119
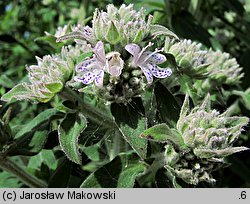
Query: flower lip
92, 70
114, 63
148, 61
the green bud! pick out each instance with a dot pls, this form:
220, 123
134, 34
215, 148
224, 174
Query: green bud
125, 75
136, 72
134, 81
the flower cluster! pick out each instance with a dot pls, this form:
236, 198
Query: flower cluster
199, 143
124, 62
120, 68
114, 35
207, 137
124, 25
47, 77
123, 81
200, 64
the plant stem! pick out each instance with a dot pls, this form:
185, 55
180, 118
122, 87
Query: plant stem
28, 179
89, 111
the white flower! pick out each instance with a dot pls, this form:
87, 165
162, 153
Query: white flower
92, 70
114, 64
148, 61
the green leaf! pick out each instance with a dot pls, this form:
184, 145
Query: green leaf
45, 156
157, 30
245, 97
7, 180
162, 133
6, 82
112, 35
54, 87
92, 151
19, 92
32, 142
149, 102
131, 123
139, 37
69, 131
121, 172
38, 140
131, 135
60, 178
169, 108
51, 40
83, 57
209, 153
34, 124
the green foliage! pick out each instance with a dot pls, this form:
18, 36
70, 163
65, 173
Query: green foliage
121, 172
131, 123
69, 131
7, 180
78, 139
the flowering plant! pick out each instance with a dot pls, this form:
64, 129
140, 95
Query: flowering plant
115, 92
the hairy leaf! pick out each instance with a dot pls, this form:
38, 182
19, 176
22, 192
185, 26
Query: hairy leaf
162, 133
69, 131
169, 108
131, 123
19, 92
157, 30
121, 172
34, 124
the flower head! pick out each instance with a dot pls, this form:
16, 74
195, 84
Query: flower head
199, 143
124, 25
199, 63
148, 61
47, 77
208, 137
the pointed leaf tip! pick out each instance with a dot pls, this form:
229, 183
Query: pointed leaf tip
69, 131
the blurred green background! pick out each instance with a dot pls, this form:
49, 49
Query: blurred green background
219, 24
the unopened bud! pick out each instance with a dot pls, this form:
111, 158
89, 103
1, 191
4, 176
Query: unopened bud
134, 81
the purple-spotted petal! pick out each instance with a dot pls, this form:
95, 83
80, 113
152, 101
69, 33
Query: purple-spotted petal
86, 78
86, 65
99, 78
100, 52
133, 49
147, 74
157, 58
152, 58
159, 72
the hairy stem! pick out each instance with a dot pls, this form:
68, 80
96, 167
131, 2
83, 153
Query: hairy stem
28, 179
89, 111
